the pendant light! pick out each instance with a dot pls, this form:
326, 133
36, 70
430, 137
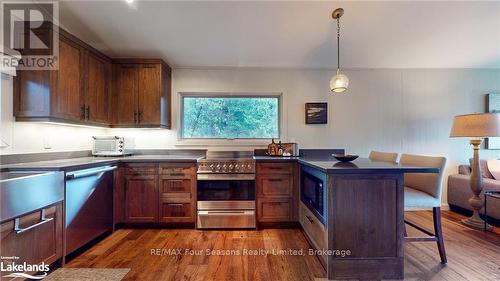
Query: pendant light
339, 82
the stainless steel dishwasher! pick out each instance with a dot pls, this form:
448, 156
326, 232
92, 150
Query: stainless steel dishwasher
88, 205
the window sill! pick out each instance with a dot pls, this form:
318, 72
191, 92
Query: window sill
222, 142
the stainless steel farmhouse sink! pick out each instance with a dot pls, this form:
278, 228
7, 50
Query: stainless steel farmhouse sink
24, 192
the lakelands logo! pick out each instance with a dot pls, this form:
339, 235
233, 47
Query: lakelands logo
17, 270
30, 36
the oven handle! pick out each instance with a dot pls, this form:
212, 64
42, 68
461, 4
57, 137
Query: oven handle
236, 213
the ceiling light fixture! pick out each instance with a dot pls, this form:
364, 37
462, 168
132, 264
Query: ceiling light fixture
339, 82
129, 1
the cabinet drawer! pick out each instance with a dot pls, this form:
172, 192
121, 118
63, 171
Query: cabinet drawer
176, 197
175, 185
178, 171
141, 169
274, 168
275, 185
176, 212
313, 228
275, 210
39, 242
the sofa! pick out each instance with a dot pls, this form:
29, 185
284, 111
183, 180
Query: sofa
459, 190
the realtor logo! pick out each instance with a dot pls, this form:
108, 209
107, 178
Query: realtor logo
15, 269
30, 37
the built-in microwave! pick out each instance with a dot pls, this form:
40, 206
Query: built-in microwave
111, 146
313, 191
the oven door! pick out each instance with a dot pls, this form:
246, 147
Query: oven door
226, 201
226, 190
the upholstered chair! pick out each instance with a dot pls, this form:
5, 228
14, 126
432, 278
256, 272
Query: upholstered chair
423, 192
383, 156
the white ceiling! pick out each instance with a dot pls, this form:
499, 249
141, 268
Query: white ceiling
375, 34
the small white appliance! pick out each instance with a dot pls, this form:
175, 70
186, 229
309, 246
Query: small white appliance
111, 146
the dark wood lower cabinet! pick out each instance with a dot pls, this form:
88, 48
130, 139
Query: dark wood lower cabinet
274, 210
176, 212
277, 192
177, 193
141, 198
156, 193
42, 243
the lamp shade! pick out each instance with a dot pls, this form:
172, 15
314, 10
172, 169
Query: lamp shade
339, 83
479, 125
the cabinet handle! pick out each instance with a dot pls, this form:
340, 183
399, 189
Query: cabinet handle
87, 112
309, 219
139, 117
275, 180
82, 115
176, 174
135, 116
43, 220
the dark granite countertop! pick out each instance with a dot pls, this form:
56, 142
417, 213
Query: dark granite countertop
363, 165
89, 162
360, 165
275, 158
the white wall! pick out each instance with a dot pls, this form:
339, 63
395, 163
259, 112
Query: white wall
402, 110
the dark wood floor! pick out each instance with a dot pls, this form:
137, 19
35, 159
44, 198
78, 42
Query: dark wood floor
472, 254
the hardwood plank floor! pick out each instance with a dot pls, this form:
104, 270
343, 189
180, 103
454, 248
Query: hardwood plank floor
472, 254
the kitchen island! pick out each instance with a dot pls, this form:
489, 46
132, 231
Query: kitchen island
364, 218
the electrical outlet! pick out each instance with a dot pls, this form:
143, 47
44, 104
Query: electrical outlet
46, 143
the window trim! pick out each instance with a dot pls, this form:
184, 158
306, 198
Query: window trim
227, 142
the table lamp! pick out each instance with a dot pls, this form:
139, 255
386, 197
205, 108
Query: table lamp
476, 126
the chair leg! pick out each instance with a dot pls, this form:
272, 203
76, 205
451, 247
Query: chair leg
436, 215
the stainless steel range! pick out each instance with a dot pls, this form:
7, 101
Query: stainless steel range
226, 190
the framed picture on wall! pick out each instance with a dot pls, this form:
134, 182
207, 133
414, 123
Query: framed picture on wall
493, 106
316, 113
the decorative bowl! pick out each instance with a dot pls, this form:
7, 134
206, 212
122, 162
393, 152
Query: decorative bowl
345, 157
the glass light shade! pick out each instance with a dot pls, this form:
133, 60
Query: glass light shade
339, 83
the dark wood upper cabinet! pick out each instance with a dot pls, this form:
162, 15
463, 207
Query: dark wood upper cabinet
91, 89
97, 89
67, 91
142, 93
78, 92
125, 95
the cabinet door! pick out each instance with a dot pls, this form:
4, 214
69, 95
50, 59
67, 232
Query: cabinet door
274, 210
42, 243
275, 185
67, 101
141, 198
149, 94
126, 87
171, 212
98, 72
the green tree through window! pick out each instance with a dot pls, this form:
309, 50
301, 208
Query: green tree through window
230, 117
